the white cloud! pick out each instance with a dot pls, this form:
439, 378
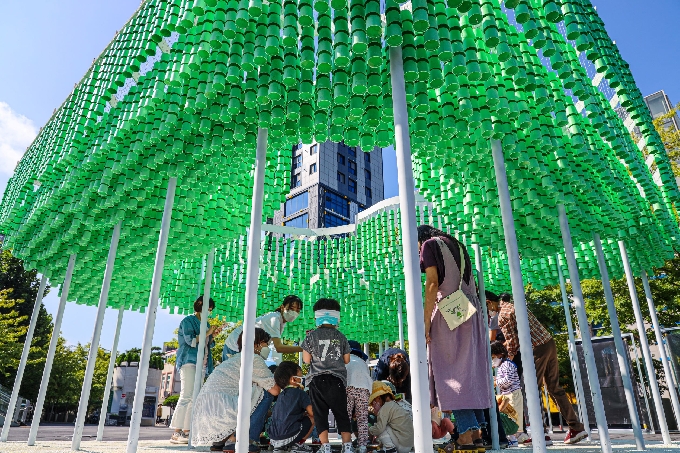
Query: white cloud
16, 133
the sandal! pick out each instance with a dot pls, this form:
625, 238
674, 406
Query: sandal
452, 446
217, 447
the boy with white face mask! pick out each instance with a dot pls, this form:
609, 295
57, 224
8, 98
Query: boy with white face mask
273, 323
508, 383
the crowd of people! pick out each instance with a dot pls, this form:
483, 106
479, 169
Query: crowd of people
376, 408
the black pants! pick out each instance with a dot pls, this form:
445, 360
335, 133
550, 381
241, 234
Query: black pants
486, 431
328, 393
306, 426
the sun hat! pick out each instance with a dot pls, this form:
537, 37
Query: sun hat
379, 388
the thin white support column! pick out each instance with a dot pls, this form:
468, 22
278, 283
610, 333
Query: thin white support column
621, 352
381, 349
412, 284
367, 350
203, 331
109, 376
493, 419
400, 319
24, 358
662, 349
573, 356
644, 386
586, 344
245, 383
644, 345
300, 362
94, 343
145, 356
40, 402
387, 345
547, 408
521, 311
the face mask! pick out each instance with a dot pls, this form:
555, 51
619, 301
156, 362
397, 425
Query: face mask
331, 317
493, 313
290, 315
496, 362
264, 352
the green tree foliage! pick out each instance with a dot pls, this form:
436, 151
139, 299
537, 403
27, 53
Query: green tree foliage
18, 291
670, 136
546, 305
171, 401
132, 355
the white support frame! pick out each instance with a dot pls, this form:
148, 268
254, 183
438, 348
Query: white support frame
109, 375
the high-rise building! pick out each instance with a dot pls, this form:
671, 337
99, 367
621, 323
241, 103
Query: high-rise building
659, 104
331, 183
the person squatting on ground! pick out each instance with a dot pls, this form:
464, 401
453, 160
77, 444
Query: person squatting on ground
394, 366
545, 361
394, 425
327, 351
359, 385
507, 381
188, 337
216, 407
441, 426
292, 419
273, 323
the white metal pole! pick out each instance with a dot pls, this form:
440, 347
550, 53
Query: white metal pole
412, 284
387, 345
94, 343
24, 358
573, 356
662, 349
644, 345
521, 312
644, 386
250, 310
400, 318
205, 313
586, 344
145, 356
109, 375
547, 407
50, 351
621, 352
493, 419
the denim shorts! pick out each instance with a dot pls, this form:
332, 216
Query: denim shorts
467, 419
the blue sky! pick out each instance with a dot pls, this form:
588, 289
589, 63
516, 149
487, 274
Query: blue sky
48, 45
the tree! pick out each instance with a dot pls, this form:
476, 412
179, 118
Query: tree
19, 289
670, 136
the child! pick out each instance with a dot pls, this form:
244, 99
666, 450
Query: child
394, 427
508, 417
507, 381
327, 351
359, 384
441, 426
292, 418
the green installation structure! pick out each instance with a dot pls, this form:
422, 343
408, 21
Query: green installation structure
512, 116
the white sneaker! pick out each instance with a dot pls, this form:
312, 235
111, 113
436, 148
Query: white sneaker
179, 438
362, 449
301, 448
522, 437
325, 448
347, 448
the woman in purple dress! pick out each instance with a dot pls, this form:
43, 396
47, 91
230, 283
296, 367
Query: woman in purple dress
458, 358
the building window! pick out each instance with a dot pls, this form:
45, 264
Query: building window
336, 203
314, 149
352, 186
341, 159
341, 178
367, 191
352, 168
367, 175
297, 203
352, 151
332, 220
367, 158
312, 169
296, 181
301, 221
297, 161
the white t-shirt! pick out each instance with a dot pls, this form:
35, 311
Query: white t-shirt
272, 323
358, 375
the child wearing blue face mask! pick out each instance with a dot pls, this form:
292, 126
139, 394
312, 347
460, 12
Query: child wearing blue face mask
327, 351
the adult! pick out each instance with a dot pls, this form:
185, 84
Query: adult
188, 338
545, 361
394, 366
493, 306
273, 323
458, 358
216, 407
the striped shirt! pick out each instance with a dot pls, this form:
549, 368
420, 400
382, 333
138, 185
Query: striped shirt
508, 324
507, 378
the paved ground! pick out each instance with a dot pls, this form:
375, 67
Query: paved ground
57, 439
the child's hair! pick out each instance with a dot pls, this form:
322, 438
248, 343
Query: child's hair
497, 348
506, 297
384, 397
284, 372
491, 296
327, 304
198, 305
261, 336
